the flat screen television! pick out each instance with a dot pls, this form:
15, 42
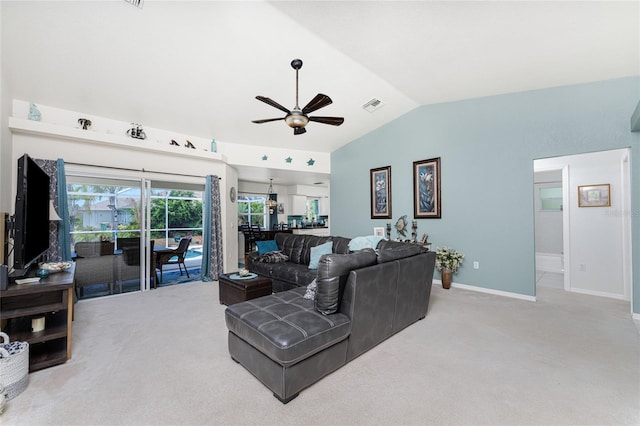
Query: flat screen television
31, 220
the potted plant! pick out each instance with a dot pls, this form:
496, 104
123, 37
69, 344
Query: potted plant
448, 261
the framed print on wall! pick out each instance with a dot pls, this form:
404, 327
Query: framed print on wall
378, 231
594, 195
380, 192
426, 189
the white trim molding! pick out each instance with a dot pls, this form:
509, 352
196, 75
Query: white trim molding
489, 291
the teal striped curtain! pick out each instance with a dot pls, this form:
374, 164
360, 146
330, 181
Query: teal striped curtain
59, 242
64, 227
212, 260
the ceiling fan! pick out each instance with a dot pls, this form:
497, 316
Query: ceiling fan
298, 118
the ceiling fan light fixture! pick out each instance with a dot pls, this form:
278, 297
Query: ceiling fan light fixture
296, 119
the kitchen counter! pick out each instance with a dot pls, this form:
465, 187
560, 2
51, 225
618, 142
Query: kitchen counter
321, 231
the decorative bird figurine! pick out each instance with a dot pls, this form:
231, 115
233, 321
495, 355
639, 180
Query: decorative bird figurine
401, 225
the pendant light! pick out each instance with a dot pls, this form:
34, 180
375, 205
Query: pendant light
271, 203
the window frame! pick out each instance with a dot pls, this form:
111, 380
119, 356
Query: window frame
248, 198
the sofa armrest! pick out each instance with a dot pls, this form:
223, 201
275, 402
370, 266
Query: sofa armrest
333, 270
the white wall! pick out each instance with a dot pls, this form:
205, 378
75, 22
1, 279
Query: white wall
595, 264
5, 136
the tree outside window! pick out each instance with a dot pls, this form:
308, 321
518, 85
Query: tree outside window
175, 214
252, 210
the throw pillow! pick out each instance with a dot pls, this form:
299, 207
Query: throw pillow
359, 243
311, 290
273, 257
266, 246
318, 251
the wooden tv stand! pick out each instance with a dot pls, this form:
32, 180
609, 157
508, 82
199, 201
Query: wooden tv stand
51, 297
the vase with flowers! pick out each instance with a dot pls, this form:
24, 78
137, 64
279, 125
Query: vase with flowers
448, 261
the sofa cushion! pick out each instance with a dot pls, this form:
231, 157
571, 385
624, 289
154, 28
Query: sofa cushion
388, 252
318, 251
289, 272
340, 245
266, 246
333, 270
285, 326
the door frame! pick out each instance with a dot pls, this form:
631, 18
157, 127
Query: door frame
626, 222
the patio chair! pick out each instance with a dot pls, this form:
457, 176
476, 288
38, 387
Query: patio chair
128, 261
173, 256
94, 265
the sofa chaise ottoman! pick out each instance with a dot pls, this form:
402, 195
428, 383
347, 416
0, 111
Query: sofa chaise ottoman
290, 342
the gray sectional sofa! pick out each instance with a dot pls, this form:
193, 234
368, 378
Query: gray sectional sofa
294, 272
289, 342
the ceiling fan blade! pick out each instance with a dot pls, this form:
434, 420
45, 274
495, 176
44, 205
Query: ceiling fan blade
266, 120
272, 103
316, 103
334, 121
299, 130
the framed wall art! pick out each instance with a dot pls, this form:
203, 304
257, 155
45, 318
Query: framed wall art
378, 231
380, 193
426, 189
594, 195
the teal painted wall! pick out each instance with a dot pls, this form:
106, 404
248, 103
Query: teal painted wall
487, 147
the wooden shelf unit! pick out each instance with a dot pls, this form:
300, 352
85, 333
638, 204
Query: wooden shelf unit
51, 297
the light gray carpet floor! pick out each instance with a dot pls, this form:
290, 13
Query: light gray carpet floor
161, 358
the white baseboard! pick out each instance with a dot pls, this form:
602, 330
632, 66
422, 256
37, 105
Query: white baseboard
549, 262
599, 294
635, 316
490, 291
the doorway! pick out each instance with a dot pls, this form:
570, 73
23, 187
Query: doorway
596, 246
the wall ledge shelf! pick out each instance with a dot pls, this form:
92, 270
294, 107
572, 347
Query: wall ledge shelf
55, 131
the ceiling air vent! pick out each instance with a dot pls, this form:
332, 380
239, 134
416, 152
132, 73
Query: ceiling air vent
136, 3
372, 105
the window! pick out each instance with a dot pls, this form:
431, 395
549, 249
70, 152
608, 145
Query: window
103, 211
175, 214
551, 199
252, 210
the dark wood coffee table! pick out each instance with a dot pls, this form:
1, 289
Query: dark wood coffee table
238, 290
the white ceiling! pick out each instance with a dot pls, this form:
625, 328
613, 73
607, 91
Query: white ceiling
196, 67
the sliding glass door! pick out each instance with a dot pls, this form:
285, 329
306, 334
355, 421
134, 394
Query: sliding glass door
119, 227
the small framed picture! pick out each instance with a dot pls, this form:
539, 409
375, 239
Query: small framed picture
380, 192
594, 195
280, 208
426, 189
378, 231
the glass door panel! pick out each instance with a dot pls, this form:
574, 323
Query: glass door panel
106, 235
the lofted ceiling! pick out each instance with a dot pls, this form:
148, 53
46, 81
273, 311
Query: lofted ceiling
196, 67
